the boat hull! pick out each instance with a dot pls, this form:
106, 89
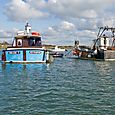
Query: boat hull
25, 55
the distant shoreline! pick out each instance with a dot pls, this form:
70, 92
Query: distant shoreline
5, 45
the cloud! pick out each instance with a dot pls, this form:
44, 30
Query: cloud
86, 36
8, 34
61, 34
79, 8
4, 33
18, 10
67, 25
5, 36
78, 18
66, 33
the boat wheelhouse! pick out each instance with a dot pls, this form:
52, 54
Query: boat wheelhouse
104, 45
26, 47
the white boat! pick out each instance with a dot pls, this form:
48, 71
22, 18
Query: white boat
57, 52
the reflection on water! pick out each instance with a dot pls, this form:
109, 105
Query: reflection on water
105, 71
103, 68
23, 69
64, 87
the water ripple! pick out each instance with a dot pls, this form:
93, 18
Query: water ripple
69, 87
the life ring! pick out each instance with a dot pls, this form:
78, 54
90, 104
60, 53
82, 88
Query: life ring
35, 33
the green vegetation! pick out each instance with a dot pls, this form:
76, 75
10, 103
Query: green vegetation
53, 46
4, 45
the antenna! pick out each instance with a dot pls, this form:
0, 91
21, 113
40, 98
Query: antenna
27, 28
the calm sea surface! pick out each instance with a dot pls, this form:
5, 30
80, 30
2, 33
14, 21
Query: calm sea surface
64, 87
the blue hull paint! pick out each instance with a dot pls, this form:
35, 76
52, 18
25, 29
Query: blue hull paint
14, 55
34, 55
31, 55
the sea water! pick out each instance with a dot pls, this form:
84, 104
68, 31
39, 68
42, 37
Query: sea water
64, 87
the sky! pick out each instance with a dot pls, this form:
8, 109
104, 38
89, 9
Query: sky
60, 22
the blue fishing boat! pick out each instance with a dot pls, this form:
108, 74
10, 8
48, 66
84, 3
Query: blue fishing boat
26, 48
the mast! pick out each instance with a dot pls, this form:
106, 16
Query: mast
27, 28
103, 40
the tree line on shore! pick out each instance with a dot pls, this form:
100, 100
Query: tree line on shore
5, 44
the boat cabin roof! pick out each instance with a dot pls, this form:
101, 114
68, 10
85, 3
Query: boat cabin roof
26, 36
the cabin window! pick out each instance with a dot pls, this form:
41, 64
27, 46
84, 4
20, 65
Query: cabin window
14, 43
31, 42
35, 41
104, 41
38, 42
104, 36
19, 42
